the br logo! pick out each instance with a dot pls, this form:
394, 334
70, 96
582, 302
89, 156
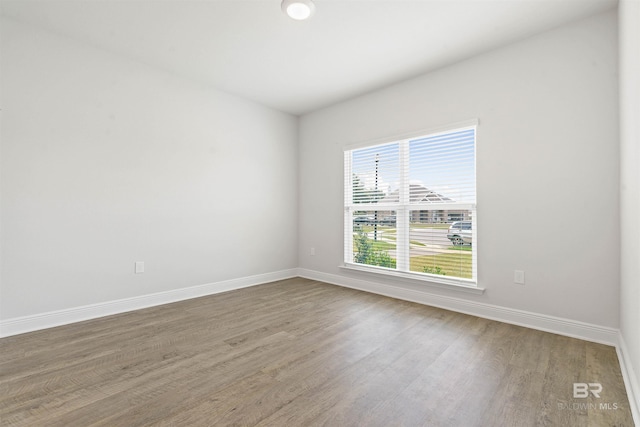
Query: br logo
582, 390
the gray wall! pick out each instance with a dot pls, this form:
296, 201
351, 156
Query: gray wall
106, 161
547, 167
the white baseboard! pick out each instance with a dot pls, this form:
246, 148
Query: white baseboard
50, 319
630, 379
581, 330
556, 325
542, 322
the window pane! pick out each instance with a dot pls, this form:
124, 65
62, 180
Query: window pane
441, 242
374, 238
376, 174
442, 168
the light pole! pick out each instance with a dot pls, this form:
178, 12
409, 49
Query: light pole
375, 214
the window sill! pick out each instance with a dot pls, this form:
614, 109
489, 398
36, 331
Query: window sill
459, 285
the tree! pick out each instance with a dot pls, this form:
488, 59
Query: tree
366, 255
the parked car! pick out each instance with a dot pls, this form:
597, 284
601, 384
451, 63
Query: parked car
460, 233
364, 220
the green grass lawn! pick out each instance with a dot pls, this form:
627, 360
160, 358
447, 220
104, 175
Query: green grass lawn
454, 265
377, 245
388, 236
466, 248
381, 245
369, 228
420, 225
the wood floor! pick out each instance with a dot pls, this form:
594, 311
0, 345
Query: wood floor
304, 353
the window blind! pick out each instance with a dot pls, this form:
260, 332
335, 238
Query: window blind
410, 205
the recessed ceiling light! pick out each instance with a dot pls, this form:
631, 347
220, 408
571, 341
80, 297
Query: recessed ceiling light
298, 9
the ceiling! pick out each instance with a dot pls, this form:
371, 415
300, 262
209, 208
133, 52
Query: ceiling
251, 49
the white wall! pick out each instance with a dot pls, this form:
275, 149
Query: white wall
629, 16
547, 167
106, 161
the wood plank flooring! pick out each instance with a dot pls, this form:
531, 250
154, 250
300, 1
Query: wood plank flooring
304, 353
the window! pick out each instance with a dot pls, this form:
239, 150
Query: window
410, 206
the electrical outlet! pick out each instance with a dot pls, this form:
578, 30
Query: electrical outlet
312, 251
139, 269
518, 277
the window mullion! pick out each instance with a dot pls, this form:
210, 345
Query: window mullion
348, 212
403, 211
348, 179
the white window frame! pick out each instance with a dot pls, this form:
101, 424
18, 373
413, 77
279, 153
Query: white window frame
403, 208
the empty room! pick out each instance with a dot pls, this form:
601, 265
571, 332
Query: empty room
320, 212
